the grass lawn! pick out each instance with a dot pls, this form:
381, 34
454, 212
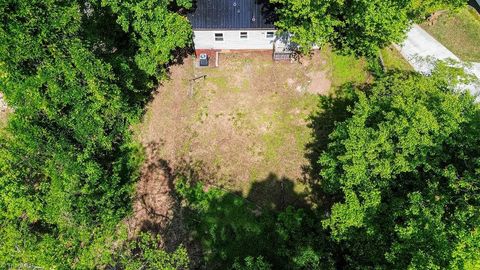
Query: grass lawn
246, 123
459, 32
346, 68
394, 60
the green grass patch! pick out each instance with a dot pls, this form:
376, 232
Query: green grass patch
459, 32
284, 126
347, 68
394, 60
221, 82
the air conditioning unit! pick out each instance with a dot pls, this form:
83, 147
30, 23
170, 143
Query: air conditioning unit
203, 60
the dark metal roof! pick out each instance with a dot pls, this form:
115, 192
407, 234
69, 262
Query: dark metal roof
231, 15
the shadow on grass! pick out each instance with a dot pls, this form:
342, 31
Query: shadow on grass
205, 218
230, 227
333, 109
157, 208
218, 226
275, 193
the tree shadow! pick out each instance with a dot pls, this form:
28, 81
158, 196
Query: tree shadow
230, 227
241, 225
275, 193
179, 55
268, 11
333, 109
209, 218
157, 208
475, 5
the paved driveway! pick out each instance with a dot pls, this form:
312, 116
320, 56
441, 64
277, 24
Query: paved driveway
422, 50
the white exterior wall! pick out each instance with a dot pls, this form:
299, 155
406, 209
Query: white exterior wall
257, 40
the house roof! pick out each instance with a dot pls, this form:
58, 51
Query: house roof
230, 15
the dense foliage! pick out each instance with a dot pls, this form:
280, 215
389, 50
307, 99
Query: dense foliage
67, 163
358, 26
404, 169
154, 29
235, 233
144, 253
396, 187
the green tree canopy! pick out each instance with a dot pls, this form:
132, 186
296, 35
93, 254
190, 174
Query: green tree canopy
405, 171
235, 233
155, 30
358, 26
67, 162
145, 253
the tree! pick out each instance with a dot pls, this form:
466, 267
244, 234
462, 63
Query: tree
235, 233
251, 263
300, 242
360, 27
404, 170
225, 224
67, 161
156, 30
144, 253
309, 22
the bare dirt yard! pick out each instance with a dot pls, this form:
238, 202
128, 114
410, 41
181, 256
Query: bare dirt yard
246, 123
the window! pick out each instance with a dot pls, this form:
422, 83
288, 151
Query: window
243, 35
218, 36
270, 34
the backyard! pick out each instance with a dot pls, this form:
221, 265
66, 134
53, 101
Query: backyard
246, 123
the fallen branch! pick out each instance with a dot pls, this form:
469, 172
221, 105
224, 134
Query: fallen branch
199, 77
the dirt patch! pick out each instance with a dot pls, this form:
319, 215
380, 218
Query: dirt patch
3, 118
433, 18
4, 110
320, 82
157, 209
245, 122
153, 204
3, 104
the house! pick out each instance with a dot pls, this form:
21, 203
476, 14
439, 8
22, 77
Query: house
234, 25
